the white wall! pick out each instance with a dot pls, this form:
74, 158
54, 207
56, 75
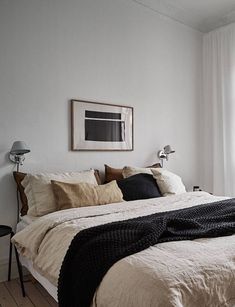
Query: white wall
114, 51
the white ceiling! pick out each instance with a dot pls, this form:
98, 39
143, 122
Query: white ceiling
203, 15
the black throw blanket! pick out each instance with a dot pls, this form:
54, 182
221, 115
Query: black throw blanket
94, 250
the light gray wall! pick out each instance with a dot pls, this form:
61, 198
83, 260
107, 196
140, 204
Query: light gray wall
113, 51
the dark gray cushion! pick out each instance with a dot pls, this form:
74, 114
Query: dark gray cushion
140, 186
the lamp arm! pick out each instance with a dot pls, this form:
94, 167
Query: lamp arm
17, 159
161, 154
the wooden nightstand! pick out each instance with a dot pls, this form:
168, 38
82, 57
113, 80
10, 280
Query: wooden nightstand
5, 231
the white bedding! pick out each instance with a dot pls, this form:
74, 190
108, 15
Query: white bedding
28, 264
186, 273
25, 220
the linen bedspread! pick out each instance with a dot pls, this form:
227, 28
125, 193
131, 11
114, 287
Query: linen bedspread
186, 273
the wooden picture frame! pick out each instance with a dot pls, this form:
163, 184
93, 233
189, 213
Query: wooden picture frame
97, 126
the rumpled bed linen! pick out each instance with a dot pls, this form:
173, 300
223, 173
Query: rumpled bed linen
186, 273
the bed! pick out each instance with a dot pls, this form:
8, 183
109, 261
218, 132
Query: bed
196, 273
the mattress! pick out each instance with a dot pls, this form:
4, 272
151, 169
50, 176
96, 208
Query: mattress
51, 289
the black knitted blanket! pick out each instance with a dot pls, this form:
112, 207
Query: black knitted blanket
94, 250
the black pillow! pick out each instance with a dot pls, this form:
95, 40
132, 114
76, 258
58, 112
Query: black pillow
140, 186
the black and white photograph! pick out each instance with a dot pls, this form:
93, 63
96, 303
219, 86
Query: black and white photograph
99, 126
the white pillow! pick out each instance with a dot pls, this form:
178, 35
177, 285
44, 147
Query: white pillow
39, 192
129, 171
168, 182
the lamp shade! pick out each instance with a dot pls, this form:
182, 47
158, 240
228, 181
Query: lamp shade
168, 150
19, 148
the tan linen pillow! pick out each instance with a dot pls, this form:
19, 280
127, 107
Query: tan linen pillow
168, 182
74, 195
39, 192
112, 173
129, 171
19, 177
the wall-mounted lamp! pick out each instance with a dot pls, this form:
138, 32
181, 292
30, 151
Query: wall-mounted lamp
18, 150
163, 154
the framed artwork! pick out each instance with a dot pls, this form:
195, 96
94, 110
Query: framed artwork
100, 126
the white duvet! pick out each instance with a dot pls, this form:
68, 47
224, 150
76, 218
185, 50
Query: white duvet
194, 273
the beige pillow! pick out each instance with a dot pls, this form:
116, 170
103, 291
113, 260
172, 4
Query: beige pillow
168, 182
117, 173
39, 192
129, 171
74, 195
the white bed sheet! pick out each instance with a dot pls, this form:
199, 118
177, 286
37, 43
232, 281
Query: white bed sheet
24, 221
51, 289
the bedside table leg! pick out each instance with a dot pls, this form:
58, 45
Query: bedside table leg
10, 259
20, 272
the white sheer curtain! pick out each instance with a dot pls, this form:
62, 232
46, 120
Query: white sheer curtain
218, 111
